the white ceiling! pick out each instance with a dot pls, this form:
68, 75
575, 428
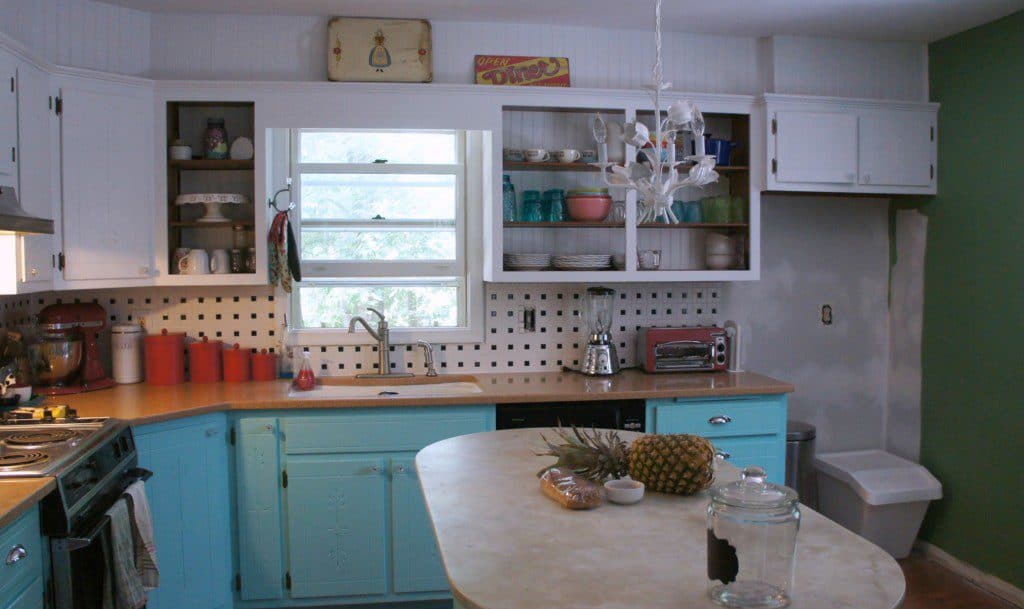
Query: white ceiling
912, 20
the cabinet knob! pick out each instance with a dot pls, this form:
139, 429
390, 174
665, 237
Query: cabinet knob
722, 454
16, 554
268, 427
399, 469
375, 469
720, 420
33, 271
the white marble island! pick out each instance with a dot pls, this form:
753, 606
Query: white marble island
506, 546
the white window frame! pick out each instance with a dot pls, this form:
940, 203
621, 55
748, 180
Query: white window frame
467, 268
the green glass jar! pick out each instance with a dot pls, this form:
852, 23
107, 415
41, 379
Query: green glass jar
531, 208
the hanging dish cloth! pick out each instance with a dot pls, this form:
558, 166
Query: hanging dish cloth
142, 534
122, 583
283, 253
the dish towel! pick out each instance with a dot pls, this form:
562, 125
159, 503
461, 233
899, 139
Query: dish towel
142, 533
283, 253
125, 586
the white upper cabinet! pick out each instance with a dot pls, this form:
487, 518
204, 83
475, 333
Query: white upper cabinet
815, 147
107, 169
816, 144
896, 148
8, 119
37, 125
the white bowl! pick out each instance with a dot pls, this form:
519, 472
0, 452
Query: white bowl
624, 491
25, 393
719, 262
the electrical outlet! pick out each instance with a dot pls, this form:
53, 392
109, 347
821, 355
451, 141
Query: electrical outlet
826, 315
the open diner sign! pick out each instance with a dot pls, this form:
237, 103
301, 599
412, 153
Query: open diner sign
510, 70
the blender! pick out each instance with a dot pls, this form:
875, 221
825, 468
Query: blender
599, 356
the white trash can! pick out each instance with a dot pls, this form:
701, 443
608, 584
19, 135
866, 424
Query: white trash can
877, 495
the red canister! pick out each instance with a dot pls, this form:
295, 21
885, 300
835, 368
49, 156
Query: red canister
264, 366
204, 360
236, 365
165, 358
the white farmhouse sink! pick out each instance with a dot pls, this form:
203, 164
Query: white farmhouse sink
415, 387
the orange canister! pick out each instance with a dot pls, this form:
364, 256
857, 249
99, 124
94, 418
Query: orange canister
236, 365
264, 366
165, 358
204, 360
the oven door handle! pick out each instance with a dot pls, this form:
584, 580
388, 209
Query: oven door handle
79, 542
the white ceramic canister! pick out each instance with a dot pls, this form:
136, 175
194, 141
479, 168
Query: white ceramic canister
126, 352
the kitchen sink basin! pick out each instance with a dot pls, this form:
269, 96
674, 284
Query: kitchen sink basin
411, 387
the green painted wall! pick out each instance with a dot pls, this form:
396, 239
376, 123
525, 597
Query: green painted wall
972, 431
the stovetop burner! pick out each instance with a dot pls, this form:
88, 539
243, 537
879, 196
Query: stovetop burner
41, 437
25, 459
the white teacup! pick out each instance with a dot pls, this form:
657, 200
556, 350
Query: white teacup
196, 262
537, 155
649, 260
220, 263
567, 155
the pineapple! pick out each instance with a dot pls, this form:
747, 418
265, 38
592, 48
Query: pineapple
681, 464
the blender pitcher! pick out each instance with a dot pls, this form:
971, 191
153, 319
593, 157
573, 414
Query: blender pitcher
599, 356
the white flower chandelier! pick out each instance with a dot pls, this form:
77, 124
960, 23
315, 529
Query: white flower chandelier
657, 179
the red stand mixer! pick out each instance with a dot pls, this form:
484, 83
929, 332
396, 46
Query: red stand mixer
66, 357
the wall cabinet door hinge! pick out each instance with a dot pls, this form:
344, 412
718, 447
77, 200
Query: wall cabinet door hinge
231, 436
58, 106
60, 261
288, 580
931, 171
284, 478
775, 166
238, 581
12, 84
931, 133
14, 154
775, 126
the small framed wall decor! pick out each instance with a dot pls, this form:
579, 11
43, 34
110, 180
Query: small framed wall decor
519, 71
379, 50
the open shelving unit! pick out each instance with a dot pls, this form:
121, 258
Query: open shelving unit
554, 126
186, 120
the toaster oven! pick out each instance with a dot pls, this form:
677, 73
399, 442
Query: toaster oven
702, 349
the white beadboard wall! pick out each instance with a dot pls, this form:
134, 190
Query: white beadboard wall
81, 33
255, 47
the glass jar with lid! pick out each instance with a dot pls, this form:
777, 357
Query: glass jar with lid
752, 529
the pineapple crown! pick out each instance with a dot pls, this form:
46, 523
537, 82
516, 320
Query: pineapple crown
595, 455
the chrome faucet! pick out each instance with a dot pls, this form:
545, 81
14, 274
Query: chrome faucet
428, 356
382, 336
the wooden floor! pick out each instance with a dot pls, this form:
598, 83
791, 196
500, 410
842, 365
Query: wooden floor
931, 586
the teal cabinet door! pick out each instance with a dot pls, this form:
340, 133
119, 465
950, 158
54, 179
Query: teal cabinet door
30, 598
415, 560
258, 476
337, 525
190, 502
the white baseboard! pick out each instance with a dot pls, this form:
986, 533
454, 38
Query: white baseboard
989, 583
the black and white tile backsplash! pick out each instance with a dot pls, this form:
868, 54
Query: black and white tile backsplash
249, 316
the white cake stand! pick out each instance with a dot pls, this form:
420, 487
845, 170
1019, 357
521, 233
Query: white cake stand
212, 201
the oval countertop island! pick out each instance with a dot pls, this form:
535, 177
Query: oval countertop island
507, 546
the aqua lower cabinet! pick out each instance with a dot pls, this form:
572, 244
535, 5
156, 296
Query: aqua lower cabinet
337, 525
189, 496
330, 510
746, 430
21, 563
415, 559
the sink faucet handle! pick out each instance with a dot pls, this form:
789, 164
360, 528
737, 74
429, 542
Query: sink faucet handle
428, 356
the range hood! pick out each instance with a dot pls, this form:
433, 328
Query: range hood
14, 219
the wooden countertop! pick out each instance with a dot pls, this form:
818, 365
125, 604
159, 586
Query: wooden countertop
142, 403
19, 494
505, 545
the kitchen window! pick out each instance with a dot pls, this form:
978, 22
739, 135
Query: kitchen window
382, 221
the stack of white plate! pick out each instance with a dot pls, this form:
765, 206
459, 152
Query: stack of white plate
582, 262
527, 262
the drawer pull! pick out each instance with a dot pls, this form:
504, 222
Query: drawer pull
720, 420
17, 554
375, 469
722, 454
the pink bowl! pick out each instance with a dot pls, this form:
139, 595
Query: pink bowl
589, 208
